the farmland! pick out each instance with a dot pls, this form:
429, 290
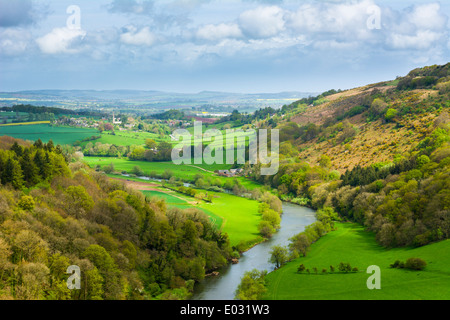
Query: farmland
184, 172
45, 132
236, 216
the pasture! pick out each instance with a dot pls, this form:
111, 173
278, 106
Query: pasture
45, 132
186, 173
350, 243
236, 216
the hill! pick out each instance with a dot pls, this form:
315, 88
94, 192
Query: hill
373, 124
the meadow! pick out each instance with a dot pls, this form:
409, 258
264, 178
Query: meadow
240, 218
45, 132
350, 243
176, 200
127, 138
236, 216
186, 173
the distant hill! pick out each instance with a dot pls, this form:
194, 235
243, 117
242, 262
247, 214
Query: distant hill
155, 99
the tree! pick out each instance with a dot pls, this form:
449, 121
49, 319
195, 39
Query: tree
150, 144
325, 161
109, 168
78, 201
13, 173
300, 243
29, 169
278, 255
301, 268
26, 203
33, 278
266, 229
28, 245
252, 286
137, 171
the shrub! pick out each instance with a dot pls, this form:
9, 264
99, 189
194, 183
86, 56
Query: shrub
415, 264
301, 268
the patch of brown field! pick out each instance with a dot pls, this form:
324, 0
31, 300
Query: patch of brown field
318, 114
137, 185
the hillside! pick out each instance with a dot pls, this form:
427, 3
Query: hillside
353, 127
377, 155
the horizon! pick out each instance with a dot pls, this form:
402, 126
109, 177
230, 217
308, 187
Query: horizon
238, 46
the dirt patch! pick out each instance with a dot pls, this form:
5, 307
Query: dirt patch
137, 185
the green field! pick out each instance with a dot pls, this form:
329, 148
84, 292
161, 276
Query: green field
127, 138
184, 172
236, 216
350, 243
177, 202
45, 132
240, 217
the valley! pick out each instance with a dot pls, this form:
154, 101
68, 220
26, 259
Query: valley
363, 179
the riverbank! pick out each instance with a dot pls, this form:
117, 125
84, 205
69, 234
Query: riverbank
223, 287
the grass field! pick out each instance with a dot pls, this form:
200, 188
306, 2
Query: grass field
176, 200
350, 243
236, 216
185, 172
45, 132
240, 217
127, 138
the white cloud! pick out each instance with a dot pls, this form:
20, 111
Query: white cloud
61, 40
420, 27
219, 32
428, 17
14, 41
344, 18
421, 40
133, 36
262, 22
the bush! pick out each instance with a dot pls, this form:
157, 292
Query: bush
411, 264
415, 264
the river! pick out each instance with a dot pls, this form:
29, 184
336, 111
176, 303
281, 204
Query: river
295, 218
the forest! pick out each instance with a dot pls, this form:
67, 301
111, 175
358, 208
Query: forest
54, 214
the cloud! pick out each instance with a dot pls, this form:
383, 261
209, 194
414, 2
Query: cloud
421, 40
262, 22
333, 19
140, 7
428, 17
16, 13
14, 41
61, 40
133, 36
219, 32
420, 27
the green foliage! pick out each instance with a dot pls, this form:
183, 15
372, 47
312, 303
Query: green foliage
390, 114
127, 246
279, 255
252, 286
26, 203
415, 264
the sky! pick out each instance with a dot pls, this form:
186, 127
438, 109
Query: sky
244, 46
